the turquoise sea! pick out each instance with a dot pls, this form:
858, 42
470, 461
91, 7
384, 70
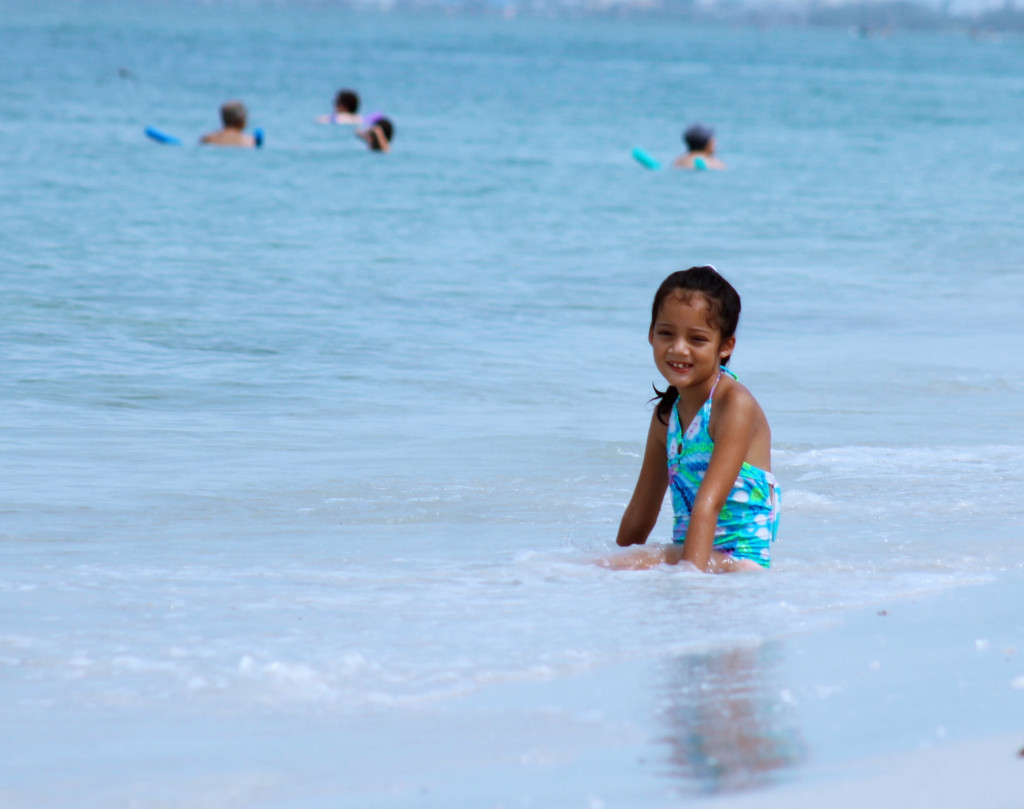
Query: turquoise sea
308, 451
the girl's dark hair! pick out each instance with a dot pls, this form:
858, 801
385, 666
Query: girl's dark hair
724, 315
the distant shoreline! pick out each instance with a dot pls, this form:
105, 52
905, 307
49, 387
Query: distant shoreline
860, 17
869, 19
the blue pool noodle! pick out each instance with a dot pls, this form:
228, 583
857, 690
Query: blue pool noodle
161, 137
257, 135
645, 159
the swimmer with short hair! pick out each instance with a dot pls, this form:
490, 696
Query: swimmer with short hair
700, 145
234, 116
346, 109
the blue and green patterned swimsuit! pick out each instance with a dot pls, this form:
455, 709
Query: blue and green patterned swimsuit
749, 520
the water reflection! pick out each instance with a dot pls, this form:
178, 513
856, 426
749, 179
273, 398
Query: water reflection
731, 725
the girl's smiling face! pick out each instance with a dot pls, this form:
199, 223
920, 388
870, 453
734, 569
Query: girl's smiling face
688, 346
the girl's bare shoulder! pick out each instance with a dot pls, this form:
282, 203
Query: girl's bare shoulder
735, 401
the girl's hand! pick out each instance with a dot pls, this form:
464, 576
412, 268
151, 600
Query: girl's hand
643, 558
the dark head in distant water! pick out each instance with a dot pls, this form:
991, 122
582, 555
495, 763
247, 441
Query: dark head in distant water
378, 134
382, 128
697, 137
723, 303
233, 114
347, 101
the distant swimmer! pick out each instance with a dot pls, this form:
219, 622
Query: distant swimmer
233, 115
346, 109
378, 135
700, 144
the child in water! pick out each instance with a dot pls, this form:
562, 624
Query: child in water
712, 433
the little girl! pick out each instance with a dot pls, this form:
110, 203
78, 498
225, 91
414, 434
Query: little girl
723, 493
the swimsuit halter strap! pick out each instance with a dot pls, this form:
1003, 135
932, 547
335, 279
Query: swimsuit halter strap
705, 407
717, 380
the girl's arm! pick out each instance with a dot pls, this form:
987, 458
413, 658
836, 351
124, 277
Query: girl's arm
736, 417
642, 512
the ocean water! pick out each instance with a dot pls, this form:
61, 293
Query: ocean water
308, 452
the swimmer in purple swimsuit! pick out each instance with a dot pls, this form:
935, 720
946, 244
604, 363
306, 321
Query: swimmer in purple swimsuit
378, 134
